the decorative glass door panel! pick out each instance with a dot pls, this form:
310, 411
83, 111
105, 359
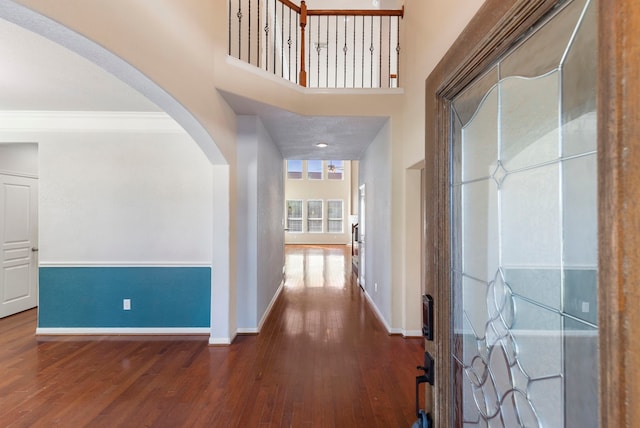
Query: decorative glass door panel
524, 232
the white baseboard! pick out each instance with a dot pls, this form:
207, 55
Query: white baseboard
270, 307
220, 341
403, 332
106, 331
378, 313
256, 330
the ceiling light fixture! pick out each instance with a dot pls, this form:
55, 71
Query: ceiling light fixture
322, 145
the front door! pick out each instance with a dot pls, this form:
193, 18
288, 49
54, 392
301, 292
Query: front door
18, 235
524, 232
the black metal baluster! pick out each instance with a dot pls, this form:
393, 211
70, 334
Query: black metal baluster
335, 72
239, 15
266, 37
371, 49
390, 27
398, 52
297, 47
362, 67
282, 40
380, 55
345, 49
275, 36
327, 72
289, 41
230, 5
249, 41
318, 50
308, 41
354, 51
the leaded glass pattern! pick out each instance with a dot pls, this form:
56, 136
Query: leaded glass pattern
524, 244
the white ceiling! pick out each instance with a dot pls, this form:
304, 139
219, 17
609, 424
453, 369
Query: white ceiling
296, 136
41, 75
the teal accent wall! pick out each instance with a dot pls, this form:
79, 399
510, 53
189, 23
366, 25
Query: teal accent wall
91, 297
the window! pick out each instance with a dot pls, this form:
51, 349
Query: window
314, 170
314, 216
334, 216
294, 216
294, 169
335, 170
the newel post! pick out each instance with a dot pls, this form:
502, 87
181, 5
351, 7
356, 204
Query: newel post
302, 78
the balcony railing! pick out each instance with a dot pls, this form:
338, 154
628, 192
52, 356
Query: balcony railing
317, 48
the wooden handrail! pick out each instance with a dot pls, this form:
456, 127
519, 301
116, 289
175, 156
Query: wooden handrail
356, 12
291, 5
344, 12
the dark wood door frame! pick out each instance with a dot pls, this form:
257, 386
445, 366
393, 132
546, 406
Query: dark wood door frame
496, 26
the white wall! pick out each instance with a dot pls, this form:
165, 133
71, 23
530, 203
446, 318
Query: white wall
270, 244
124, 198
375, 174
428, 29
247, 224
260, 196
19, 157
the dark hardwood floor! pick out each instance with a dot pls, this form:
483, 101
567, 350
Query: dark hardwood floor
322, 359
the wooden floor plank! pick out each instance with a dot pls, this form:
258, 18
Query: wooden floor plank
322, 359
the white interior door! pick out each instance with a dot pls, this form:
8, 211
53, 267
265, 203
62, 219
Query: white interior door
19, 238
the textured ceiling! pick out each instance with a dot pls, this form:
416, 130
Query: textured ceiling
296, 136
38, 74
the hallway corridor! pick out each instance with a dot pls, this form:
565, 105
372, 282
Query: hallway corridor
322, 359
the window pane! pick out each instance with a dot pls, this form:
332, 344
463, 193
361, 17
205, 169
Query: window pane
314, 170
294, 216
294, 209
314, 226
314, 209
314, 216
334, 220
294, 169
335, 226
294, 225
335, 170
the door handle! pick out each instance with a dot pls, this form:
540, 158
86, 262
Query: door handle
34, 249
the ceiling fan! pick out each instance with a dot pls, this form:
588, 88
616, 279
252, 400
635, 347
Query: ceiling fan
335, 167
